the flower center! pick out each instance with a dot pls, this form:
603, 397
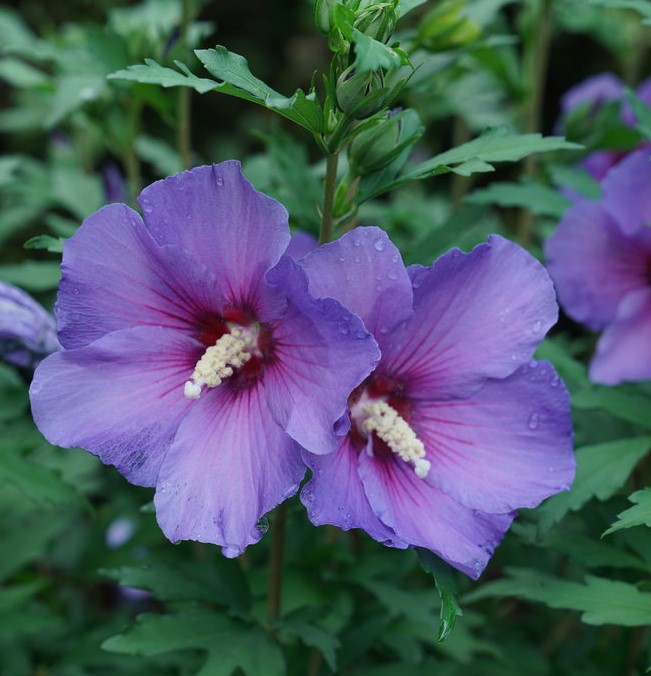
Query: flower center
231, 351
382, 419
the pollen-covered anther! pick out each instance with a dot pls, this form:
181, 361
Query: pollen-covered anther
231, 351
396, 433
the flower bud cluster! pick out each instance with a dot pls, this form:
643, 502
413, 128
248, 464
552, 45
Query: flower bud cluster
446, 26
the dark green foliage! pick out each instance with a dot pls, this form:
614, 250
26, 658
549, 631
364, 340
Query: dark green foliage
88, 584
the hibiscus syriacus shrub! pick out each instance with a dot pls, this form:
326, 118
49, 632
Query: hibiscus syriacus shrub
330, 399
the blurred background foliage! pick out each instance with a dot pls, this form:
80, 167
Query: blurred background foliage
88, 584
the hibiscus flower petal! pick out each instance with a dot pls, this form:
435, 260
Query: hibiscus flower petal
363, 270
593, 264
476, 316
214, 213
321, 353
114, 276
335, 495
626, 194
230, 463
624, 349
426, 517
120, 397
507, 446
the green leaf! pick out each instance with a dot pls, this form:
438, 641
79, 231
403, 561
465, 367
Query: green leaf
237, 80
32, 275
642, 112
601, 470
599, 600
621, 402
20, 74
38, 483
154, 73
47, 242
576, 179
230, 644
72, 92
494, 145
641, 6
446, 587
224, 586
313, 636
370, 54
13, 394
539, 199
162, 156
407, 5
639, 515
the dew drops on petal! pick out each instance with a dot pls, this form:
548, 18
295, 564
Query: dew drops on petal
379, 244
219, 181
392, 274
534, 421
537, 326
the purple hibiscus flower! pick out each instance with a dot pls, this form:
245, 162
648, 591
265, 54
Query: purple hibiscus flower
195, 360
457, 427
596, 91
600, 260
27, 330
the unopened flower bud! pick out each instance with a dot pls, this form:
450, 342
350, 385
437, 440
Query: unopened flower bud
323, 14
447, 27
376, 19
360, 95
379, 145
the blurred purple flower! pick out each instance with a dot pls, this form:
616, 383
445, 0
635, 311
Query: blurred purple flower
600, 260
195, 360
300, 244
457, 427
114, 188
27, 331
596, 91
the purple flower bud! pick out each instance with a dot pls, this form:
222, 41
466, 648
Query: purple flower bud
27, 331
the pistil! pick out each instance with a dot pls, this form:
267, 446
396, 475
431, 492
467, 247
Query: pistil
396, 433
218, 362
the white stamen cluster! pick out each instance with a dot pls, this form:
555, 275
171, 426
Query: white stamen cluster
394, 430
231, 351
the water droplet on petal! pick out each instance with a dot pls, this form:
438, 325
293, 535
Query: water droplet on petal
533, 364
357, 259
555, 381
344, 328
379, 244
357, 242
360, 334
536, 326
384, 329
219, 181
342, 257
393, 275
534, 421
147, 207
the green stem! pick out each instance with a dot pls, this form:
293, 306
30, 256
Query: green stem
327, 224
535, 72
276, 562
130, 158
183, 130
